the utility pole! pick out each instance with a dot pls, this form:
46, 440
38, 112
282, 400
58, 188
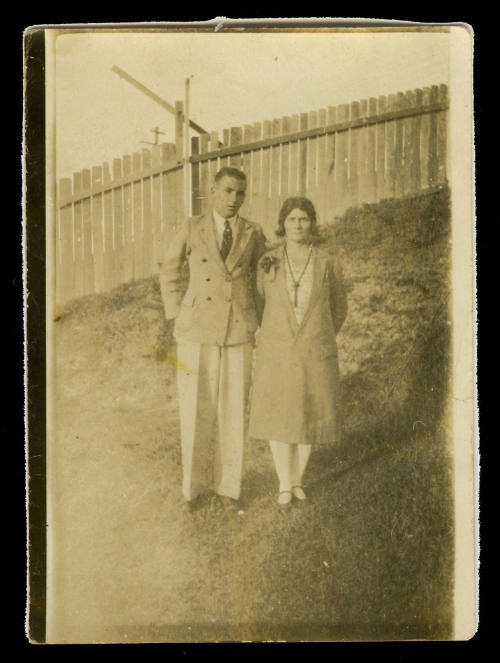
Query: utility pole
156, 131
152, 95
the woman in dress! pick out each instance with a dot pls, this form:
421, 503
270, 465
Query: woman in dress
296, 396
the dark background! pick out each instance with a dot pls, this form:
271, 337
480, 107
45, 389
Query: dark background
484, 58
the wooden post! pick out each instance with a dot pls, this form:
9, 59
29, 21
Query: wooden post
195, 178
293, 178
181, 211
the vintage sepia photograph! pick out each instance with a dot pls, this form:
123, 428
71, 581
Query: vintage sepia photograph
259, 334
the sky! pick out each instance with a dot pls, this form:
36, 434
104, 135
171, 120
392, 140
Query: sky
236, 79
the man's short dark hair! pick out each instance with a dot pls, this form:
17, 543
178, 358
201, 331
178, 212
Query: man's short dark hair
230, 172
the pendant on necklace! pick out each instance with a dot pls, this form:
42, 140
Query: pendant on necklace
296, 294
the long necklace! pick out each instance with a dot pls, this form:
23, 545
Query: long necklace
296, 282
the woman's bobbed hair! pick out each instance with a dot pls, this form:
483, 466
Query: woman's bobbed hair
301, 203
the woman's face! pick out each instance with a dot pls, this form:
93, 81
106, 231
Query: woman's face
298, 226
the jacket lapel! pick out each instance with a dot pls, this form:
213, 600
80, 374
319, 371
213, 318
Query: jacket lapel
319, 266
207, 232
242, 234
285, 295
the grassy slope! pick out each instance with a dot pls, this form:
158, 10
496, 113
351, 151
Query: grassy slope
369, 555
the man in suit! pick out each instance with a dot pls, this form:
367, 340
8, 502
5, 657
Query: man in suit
215, 324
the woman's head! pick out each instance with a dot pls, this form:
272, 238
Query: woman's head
297, 219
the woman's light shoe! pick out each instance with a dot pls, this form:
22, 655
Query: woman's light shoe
298, 492
285, 497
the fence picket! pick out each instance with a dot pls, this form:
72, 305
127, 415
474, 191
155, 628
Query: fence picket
247, 169
390, 151
266, 174
380, 165
156, 210
97, 232
414, 152
369, 173
169, 198
354, 156
77, 237
275, 174
205, 177
137, 217
195, 177
66, 274
256, 176
111, 228
311, 187
433, 141
235, 138
441, 138
128, 247
293, 177
88, 258
340, 190
147, 221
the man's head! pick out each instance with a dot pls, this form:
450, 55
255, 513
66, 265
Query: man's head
228, 191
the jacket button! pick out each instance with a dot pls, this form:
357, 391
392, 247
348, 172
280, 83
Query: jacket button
208, 279
203, 260
209, 299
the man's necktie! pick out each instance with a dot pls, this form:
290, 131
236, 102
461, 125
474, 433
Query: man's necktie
227, 240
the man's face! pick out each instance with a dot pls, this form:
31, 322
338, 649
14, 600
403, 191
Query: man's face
229, 194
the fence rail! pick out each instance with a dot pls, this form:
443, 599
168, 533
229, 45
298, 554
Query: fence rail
114, 222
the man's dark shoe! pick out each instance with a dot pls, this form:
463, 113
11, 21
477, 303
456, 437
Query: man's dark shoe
190, 506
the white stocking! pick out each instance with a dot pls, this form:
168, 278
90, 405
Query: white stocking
282, 455
299, 460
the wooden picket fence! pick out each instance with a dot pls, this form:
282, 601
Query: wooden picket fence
114, 227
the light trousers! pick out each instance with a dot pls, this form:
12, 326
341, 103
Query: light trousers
290, 461
213, 384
